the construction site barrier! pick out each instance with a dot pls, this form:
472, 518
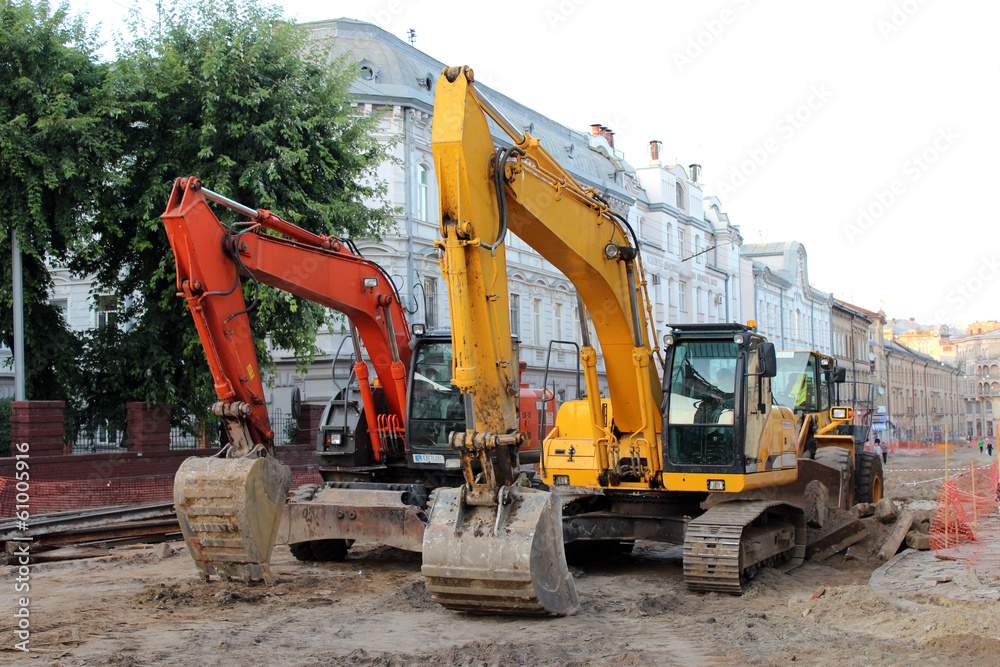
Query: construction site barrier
919, 448
48, 497
966, 517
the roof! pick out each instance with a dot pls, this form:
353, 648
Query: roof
872, 315
892, 346
404, 75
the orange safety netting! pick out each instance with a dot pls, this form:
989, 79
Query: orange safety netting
966, 524
46, 497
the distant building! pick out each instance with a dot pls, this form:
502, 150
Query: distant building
979, 355
924, 395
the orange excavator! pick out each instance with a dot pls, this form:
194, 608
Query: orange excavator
380, 457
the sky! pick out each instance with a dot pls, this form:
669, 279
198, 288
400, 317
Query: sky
865, 129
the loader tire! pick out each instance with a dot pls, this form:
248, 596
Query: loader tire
302, 550
868, 482
834, 456
329, 550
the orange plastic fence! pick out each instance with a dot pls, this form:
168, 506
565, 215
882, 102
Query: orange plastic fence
46, 497
919, 448
966, 521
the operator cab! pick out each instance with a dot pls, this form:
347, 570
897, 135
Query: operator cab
716, 389
803, 381
434, 406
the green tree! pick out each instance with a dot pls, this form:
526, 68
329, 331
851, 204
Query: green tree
232, 93
55, 145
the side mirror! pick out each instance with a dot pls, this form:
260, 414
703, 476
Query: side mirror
839, 375
768, 360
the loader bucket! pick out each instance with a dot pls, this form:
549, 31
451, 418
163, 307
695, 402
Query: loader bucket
506, 559
229, 509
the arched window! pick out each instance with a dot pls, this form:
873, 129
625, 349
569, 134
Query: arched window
421, 212
680, 195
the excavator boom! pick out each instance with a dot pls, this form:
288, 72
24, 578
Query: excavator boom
229, 505
492, 545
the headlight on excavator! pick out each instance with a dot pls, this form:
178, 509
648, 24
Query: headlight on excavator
716, 485
560, 480
370, 282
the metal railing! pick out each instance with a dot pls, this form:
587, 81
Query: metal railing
101, 438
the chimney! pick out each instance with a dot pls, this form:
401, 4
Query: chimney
598, 130
695, 172
654, 151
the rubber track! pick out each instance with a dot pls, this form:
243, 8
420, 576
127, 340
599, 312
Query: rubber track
712, 544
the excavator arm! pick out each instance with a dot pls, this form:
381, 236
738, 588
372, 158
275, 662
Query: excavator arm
230, 505
485, 192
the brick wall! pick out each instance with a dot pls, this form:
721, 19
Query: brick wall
147, 452
41, 423
147, 428
309, 418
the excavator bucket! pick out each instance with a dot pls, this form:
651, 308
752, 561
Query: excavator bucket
506, 558
229, 509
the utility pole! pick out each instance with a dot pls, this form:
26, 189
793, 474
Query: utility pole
18, 317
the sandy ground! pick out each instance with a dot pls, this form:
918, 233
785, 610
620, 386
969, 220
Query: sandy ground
133, 608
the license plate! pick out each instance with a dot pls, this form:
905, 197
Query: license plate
428, 458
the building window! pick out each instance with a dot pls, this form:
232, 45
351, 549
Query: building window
422, 190
430, 302
697, 248
63, 306
682, 296
536, 322
670, 237
680, 195
681, 250
557, 315
107, 312
670, 293
697, 300
515, 314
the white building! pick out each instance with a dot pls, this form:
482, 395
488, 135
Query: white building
789, 311
689, 248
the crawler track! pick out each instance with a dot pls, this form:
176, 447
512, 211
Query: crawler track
725, 546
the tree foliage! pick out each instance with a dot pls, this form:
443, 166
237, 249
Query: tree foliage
55, 146
230, 92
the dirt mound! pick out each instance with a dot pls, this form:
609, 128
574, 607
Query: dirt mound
652, 605
161, 593
411, 596
981, 650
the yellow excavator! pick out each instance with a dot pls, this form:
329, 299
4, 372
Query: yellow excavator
650, 454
